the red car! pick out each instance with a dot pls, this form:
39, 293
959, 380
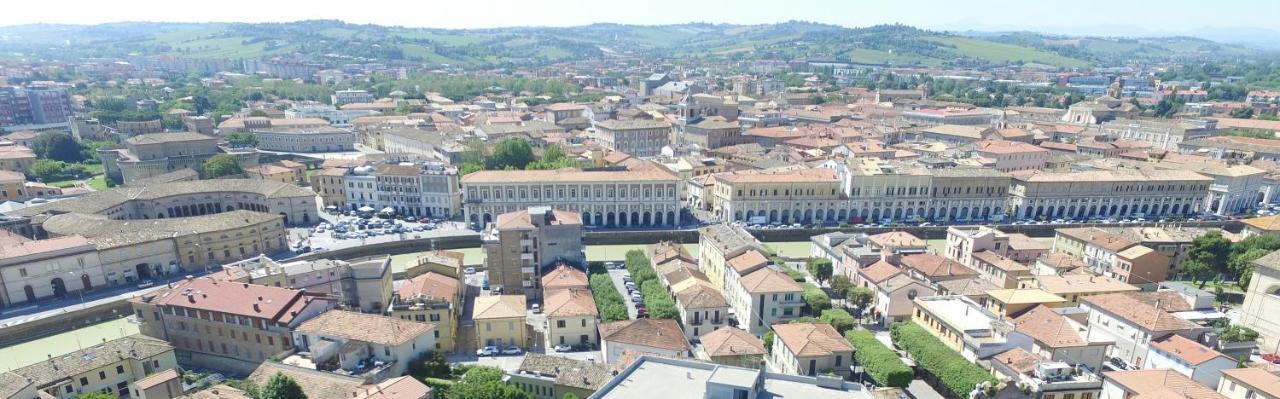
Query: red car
1271, 358
642, 313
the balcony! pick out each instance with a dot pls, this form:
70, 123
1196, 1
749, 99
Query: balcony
526, 256
526, 242
527, 270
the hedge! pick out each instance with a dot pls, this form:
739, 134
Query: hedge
838, 318
608, 301
957, 375
878, 360
816, 298
656, 298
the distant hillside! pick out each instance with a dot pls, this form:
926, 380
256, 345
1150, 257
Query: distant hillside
888, 44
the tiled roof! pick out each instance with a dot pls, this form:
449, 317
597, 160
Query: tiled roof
567, 372
1187, 350
1024, 296
403, 387
564, 276
971, 286
769, 280
20, 248
931, 265
364, 327
1048, 327
570, 303
1137, 312
701, 296
1259, 379
1000, 262
431, 286
499, 307
1081, 284
1018, 360
654, 333
521, 219
879, 271
811, 339
897, 239
82, 361
747, 261
1160, 384
315, 384
729, 341
99, 201
570, 175
261, 301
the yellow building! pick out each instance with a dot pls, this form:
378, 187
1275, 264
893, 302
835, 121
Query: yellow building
327, 183
717, 244
108, 367
783, 196
16, 158
431, 298
1013, 301
12, 186
500, 321
273, 173
962, 325
571, 317
1249, 383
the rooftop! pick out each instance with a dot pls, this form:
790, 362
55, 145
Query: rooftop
570, 303
769, 280
729, 341
564, 276
1137, 312
1015, 296
651, 377
811, 339
1160, 384
567, 372
1256, 378
100, 201
499, 307
1187, 350
85, 360
1049, 328
653, 333
364, 327
244, 299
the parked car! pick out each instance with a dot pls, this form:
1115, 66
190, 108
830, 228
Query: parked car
487, 351
146, 284
642, 313
469, 270
562, 348
512, 350
537, 308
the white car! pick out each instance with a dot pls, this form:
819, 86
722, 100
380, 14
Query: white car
512, 350
470, 270
562, 348
487, 351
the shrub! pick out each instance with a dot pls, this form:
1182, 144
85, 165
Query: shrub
656, 297
608, 301
815, 298
878, 360
768, 341
796, 275
838, 318
957, 375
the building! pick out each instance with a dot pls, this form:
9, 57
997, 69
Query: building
163, 385
1249, 383
321, 139
500, 321
350, 96
1058, 338
955, 134
933, 117
782, 196
1037, 377
1160, 134
430, 298
363, 343
224, 325
571, 317
810, 349
638, 137
150, 155
54, 268
329, 184
718, 244
1114, 255
656, 377
564, 277
521, 245
317, 384
1158, 383
934, 269
1011, 302
702, 308
638, 337
1128, 193
732, 347
1132, 324
642, 194
1261, 298
965, 327
712, 132
34, 106
763, 298
1075, 286
16, 158
1202, 364
426, 190
554, 377
882, 192
109, 367
964, 242
1012, 156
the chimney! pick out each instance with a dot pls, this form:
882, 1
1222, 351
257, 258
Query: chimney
256, 308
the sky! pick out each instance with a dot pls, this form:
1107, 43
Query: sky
1091, 17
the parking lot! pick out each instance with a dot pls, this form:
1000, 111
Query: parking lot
620, 284
341, 231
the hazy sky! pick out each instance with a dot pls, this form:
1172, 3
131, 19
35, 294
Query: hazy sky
1100, 17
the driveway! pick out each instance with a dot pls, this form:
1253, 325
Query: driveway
616, 276
920, 390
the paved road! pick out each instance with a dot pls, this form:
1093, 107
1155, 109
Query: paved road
920, 390
616, 276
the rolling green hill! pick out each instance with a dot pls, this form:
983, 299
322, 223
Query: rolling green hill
886, 44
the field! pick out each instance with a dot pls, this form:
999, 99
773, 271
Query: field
1004, 53
31, 352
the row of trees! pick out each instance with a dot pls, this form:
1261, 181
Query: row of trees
656, 297
609, 303
957, 375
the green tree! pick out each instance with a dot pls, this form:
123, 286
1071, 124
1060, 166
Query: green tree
1243, 113
242, 139
512, 152
57, 146
768, 341
1208, 256
46, 170
484, 383
281, 386
220, 165
570, 396
430, 365
553, 153
820, 268
860, 297
96, 395
840, 284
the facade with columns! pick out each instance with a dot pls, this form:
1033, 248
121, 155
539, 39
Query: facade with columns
644, 195
884, 190
784, 196
1126, 193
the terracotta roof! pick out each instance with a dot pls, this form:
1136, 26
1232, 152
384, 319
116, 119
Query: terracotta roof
403, 387
1189, 351
1169, 300
682, 274
768, 280
814, 175
747, 261
156, 379
498, 307
430, 285
567, 372
1160, 384
1081, 284
1258, 379
969, 286
879, 271
570, 303
570, 175
1021, 242
1264, 223
729, 341
1023, 296
1137, 312
811, 339
1048, 327
701, 296
14, 248
932, 265
315, 384
897, 239
219, 391
1000, 262
1019, 360
653, 333
1008, 147
564, 276
272, 303
364, 327
521, 219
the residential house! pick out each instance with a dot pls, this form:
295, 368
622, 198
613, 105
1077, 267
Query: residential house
964, 326
1188, 357
732, 347
500, 321
765, 297
895, 296
104, 367
810, 349
1157, 383
1056, 337
659, 337
1010, 302
1249, 383
1132, 324
555, 377
362, 343
571, 317
702, 309
430, 298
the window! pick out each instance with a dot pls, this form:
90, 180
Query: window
119, 369
102, 375
559, 323
84, 381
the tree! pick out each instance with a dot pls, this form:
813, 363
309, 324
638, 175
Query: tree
570, 396
484, 383
553, 153
242, 139
512, 152
840, 284
768, 341
820, 268
46, 170
430, 365
57, 146
96, 395
1208, 256
1243, 113
860, 297
281, 386
220, 165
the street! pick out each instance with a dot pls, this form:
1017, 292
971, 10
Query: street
616, 276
